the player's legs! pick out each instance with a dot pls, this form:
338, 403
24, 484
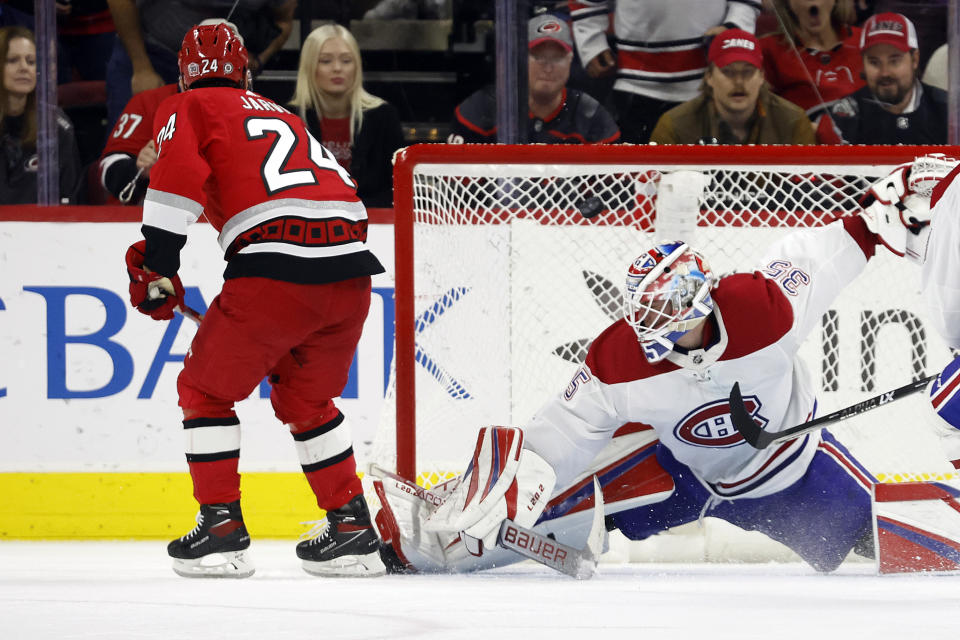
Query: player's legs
240, 339
304, 383
684, 505
822, 516
945, 398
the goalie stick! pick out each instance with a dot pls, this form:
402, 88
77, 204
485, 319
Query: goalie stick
578, 563
760, 439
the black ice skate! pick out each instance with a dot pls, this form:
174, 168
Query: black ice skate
216, 548
346, 545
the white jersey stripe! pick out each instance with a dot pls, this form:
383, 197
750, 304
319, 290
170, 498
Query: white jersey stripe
303, 252
170, 212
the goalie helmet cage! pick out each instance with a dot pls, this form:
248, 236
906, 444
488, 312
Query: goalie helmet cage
509, 259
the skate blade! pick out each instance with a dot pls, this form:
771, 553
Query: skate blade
366, 566
227, 564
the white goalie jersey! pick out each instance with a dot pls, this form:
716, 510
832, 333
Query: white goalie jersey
760, 321
940, 273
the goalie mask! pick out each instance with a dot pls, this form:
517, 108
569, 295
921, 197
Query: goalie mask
667, 293
212, 51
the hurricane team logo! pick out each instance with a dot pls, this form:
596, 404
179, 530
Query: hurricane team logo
709, 425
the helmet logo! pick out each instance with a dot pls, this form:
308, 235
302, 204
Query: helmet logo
193, 69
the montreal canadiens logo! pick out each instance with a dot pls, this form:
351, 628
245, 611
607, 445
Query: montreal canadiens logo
709, 425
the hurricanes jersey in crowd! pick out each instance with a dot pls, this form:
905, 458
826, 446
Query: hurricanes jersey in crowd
284, 207
761, 319
659, 43
134, 128
131, 133
836, 72
579, 119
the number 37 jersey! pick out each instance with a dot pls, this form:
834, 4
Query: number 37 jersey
284, 208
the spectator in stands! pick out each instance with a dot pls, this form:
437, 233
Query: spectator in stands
558, 114
409, 10
149, 34
894, 107
734, 105
661, 55
814, 59
929, 17
361, 130
18, 124
85, 33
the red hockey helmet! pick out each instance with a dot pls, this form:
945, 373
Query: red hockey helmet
212, 51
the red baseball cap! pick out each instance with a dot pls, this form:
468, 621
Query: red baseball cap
735, 45
889, 28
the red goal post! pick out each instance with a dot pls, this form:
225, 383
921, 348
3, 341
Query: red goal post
491, 241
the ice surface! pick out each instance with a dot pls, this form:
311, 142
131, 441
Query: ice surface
126, 590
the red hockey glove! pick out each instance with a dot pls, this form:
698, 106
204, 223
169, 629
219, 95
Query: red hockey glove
151, 293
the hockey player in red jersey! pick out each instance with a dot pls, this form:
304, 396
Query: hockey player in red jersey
292, 307
130, 151
666, 370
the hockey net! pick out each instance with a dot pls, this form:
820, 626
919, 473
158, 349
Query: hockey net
503, 279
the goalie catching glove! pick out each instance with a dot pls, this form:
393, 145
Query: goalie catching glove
503, 481
151, 293
897, 207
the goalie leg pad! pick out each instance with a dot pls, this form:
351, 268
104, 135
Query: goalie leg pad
404, 508
503, 481
917, 526
945, 398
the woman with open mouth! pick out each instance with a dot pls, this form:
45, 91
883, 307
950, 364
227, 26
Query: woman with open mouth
813, 59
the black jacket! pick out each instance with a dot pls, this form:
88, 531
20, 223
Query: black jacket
578, 120
861, 119
371, 162
18, 164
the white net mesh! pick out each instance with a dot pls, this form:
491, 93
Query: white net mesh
512, 281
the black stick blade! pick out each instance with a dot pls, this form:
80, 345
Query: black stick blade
743, 422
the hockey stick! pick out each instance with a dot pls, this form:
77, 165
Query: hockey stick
760, 439
578, 563
189, 312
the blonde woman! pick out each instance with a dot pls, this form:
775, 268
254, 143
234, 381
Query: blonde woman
813, 59
18, 124
361, 130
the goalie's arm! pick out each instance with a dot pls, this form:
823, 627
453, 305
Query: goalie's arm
575, 425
